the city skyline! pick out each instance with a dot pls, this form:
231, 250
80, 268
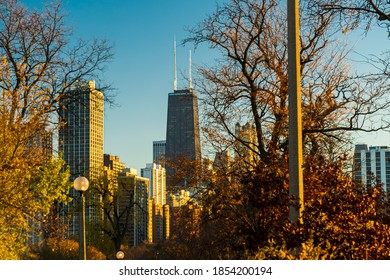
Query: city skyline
142, 34
57, 124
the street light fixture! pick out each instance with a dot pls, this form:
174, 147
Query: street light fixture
81, 184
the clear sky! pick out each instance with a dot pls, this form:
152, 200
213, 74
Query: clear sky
142, 33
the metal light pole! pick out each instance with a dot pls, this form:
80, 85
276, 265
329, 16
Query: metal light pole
81, 184
294, 107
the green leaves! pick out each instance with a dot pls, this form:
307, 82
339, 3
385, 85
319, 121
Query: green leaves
28, 195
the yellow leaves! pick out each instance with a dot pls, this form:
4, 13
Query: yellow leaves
345, 30
4, 60
27, 191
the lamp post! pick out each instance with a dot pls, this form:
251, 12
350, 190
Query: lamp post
81, 184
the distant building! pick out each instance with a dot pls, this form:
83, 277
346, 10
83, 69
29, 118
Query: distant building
182, 138
246, 145
150, 219
157, 177
161, 222
183, 142
158, 210
372, 164
113, 163
222, 161
81, 142
112, 167
133, 197
159, 152
39, 146
180, 198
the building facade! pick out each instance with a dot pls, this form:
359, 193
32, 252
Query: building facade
133, 207
157, 177
159, 215
159, 152
372, 164
182, 137
112, 167
161, 222
81, 142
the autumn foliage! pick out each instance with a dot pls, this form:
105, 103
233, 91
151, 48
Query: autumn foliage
249, 218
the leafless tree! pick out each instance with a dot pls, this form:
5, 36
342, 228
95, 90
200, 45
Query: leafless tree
249, 81
245, 109
358, 13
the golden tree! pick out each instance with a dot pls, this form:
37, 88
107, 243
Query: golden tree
38, 68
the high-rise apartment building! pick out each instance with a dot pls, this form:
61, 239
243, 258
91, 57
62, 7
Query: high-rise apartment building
182, 138
372, 164
81, 142
161, 222
112, 167
81, 138
157, 177
159, 217
133, 199
159, 152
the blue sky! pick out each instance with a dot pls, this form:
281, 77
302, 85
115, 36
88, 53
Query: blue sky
142, 33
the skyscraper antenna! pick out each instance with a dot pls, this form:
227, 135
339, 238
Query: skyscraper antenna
190, 71
174, 67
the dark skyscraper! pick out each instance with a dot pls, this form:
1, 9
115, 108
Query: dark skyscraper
182, 141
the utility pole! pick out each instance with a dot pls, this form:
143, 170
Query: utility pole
294, 107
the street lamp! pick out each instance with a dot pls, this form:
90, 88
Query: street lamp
81, 184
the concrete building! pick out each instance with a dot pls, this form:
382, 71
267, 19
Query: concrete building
157, 177
179, 199
159, 217
133, 199
371, 164
114, 164
161, 222
81, 142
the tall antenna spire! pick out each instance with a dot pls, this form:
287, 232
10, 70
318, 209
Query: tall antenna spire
190, 71
174, 70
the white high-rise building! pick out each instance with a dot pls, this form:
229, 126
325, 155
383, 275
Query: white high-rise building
372, 164
157, 177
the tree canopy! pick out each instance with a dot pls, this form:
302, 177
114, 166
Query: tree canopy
39, 65
245, 196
